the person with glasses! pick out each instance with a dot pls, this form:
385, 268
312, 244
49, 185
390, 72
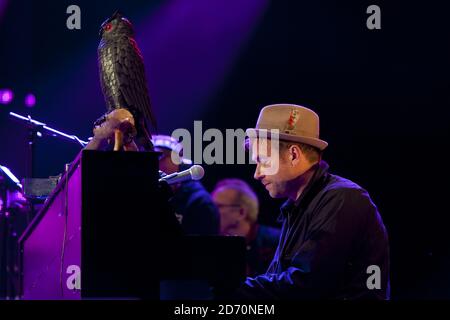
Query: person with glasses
239, 207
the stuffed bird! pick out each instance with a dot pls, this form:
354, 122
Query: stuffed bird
122, 76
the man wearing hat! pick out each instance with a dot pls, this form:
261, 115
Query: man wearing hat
193, 205
333, 243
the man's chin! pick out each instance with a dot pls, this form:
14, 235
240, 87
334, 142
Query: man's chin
275, 195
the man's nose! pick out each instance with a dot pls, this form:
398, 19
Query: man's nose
258, 175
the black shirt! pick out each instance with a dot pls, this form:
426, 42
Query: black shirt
332, 239
196, 209
261, 248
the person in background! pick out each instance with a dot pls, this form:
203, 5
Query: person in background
192, 204
239, 207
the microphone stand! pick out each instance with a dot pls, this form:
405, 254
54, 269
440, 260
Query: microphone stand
37, 129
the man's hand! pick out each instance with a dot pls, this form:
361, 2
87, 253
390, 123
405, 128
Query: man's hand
120, 119
118, 123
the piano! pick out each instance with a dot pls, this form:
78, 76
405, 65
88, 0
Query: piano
107, 232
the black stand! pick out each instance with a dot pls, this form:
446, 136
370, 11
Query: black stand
33, 133
37, 129
9, 268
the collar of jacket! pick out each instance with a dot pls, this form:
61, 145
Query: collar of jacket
310, 191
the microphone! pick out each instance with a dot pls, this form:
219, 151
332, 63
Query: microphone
195, 172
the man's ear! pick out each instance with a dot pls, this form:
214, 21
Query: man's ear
295, 154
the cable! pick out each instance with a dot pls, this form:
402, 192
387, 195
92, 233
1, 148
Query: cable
66, 213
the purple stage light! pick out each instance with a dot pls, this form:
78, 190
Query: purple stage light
198, 44
30, 100
3, 5
6, 96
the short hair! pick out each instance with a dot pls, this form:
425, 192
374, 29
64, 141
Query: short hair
312, 154
245, 195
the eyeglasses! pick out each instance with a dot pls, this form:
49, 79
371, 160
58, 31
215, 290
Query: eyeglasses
221, 205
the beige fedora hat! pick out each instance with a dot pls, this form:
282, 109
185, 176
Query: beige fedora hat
295, 123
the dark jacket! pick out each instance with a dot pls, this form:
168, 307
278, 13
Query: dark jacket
330, 237
261, 248
198, 214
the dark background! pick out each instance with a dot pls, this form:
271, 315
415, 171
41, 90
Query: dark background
382, 96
